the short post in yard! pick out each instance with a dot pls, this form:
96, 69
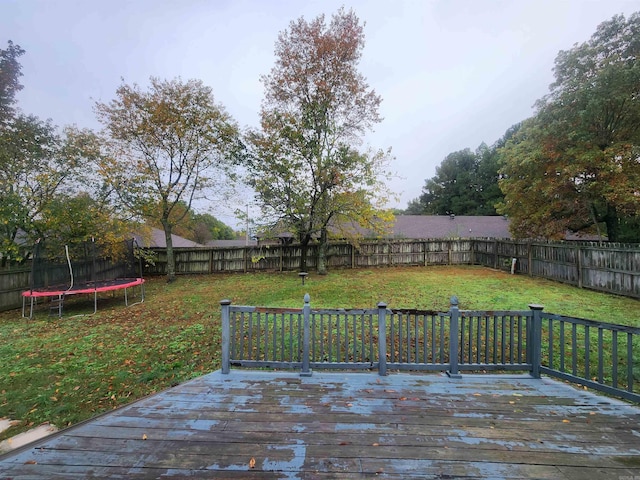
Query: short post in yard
226, 336
382, 338
306, 313
535, 338
454, 313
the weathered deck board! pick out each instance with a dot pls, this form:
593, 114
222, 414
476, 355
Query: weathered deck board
340, 425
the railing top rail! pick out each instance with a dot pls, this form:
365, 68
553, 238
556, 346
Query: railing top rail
495, 313
413, 311
344, 311
275, 310
591, 323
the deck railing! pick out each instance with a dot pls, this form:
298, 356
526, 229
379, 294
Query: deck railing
594, 354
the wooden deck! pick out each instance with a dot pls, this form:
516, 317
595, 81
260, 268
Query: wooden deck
348, 425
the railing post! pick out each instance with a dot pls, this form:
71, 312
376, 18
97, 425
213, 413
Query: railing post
382, 338
306, 313
454, 351
535, 339
226, 336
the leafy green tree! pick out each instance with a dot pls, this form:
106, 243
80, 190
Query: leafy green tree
37, 165
169, 145
199, 227
575, 164
306, 166
10, 72
466, 183
69, 219
205, 227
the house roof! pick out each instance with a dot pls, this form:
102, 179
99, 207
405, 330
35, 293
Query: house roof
450, 226
232, 243
157, 240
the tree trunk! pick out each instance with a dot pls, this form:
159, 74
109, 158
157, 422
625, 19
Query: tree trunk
304, 242
171, 259
322, 252
613, 223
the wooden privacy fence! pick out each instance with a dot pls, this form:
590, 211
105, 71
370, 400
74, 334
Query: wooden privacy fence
611, 268
594, 354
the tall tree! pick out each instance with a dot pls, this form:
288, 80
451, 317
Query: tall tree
10, 73
466, 183
575, 164
306, 166
199, 227
165, 147
37, 166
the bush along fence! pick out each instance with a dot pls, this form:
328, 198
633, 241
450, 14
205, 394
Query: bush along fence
593, 354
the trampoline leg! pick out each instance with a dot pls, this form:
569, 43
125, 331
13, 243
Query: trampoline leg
95, 302
126, 300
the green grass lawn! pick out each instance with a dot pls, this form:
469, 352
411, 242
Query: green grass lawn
66, 370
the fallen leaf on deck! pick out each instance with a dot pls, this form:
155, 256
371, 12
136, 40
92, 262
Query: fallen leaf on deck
252, 463
30, 462
144, 436
566, 421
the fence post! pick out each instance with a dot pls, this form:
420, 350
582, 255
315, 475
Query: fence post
306, 312
226, 336
382, 338
535, 339
454, 313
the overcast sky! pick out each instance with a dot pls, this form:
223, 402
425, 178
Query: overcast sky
451, 73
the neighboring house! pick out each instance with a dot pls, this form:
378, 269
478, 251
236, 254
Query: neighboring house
442, 226
232, 243
459, 226
157, 239
450, 226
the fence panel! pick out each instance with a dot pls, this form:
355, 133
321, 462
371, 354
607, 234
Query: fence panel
12, 283
612, 270
557, 262
343, 339
417, 340
493, 340
595, 354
